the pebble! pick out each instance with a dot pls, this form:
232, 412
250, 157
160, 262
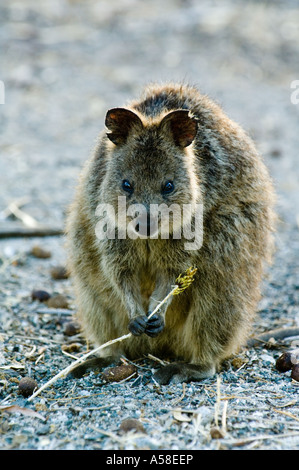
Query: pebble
58, 301
39, 252
40, 295
27, 385
43, 430
72, 328
131, 424
59, 272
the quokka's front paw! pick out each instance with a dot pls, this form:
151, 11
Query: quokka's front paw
155, 324
150, 326
138, 325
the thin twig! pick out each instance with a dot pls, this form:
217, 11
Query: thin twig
217, 404
177, 400
183, 281
277, 334
65, 371
94, 351
223, 421
286, 413
157, 359
21, 231
30, 226
27, 219
241, 442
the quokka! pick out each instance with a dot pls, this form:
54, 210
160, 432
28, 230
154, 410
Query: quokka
172, 146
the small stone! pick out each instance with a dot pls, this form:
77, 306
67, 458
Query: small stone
131, 424
72, 328
216, 433
58, 301
59, 272
118, 373
295, 372
275, 153
39, 252
40, 295
43, 430
70, 348
27, 385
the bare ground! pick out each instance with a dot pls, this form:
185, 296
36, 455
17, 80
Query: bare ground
64, 63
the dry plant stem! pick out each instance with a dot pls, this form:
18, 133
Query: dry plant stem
224, 413
65, 371
277, 334
31, 226
23, 216
15, 231
245, 440
217, 404
184, 280
18, 203
94, 351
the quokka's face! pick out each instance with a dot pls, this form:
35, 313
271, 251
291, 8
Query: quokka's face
149, 179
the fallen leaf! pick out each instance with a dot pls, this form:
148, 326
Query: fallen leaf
23, 411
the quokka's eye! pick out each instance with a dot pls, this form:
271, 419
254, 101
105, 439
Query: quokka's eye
126, 185
168, 187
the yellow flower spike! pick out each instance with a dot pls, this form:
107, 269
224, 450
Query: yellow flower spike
184, 280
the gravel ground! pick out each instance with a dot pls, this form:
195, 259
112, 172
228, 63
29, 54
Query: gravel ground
64, 64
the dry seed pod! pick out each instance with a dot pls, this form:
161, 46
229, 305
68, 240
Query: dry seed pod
58, 301
59, 272
40, 295
27, 385
131, 424
72, 328
39, 252
284, 363
118, 373
216, 433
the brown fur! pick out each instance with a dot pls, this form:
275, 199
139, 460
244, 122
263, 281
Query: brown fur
119, 281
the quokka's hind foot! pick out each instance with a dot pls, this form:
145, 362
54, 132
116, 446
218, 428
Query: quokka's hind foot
179, 372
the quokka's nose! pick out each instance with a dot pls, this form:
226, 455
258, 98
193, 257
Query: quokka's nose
147, 225
144, 226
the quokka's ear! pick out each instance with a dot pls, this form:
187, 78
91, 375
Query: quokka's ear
119, 122
182, 127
